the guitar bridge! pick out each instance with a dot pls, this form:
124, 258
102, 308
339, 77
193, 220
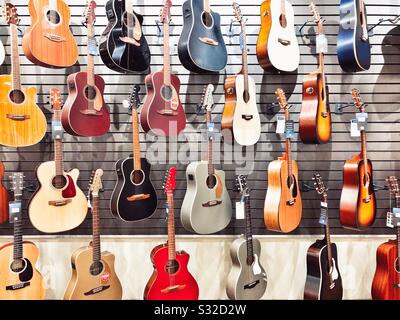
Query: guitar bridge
167, 112
247, 117
18, 117
212, 203
90, 112
325, 114
137, 197
291, 202
209, 41
173, 288
54, 37
284, 42
367, 200
251, 285
60, 203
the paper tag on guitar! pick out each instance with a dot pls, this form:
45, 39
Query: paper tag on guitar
362, 118
15, 208
281, 125
322, 43
57, 130
92, 46
354, 132
239, 210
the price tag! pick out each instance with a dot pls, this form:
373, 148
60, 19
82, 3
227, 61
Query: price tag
323, 218
290, 129
362, 118
354, 131
242, 41
393, 218
15, 209
210, 127
240, 210
281, 123
322, 43
57, 130
92, 46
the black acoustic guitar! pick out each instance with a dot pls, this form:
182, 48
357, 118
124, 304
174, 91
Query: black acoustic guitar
323, 280
201, 47
123, 47
134, 197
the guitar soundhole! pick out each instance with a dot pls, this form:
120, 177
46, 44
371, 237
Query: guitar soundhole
17, 96
211, 182
166, 93
172, 267
137, 177
207, 19
59, 182
283, 21
90, 92
18, 265
246, 96
96, 268
292, 181
366, 180
53, 17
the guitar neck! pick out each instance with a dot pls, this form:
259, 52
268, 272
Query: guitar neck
15, 63
18, 238
211, 169
364, 150
128, 6
167, 56
58, 148
249, 233
283, 8
96, 229
171, 228
136, 141
206, 6
90, 58
245, 69
328, 236
288, 149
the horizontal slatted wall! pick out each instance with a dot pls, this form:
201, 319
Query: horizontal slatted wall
379, 88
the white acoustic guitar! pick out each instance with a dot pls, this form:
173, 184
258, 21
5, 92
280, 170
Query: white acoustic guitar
246, 119
58, 205
207, 206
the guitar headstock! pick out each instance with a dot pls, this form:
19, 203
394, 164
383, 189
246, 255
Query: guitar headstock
281, 96
17, 184
55, 99
134, 100
241, 185
393, 185
207, 100
320, 187
357, 100
10, 14
237, 12
165, 15
95, 184
169, 181
317, 17
90, 14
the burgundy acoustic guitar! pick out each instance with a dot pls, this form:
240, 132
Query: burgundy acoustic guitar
85, 112
162, 112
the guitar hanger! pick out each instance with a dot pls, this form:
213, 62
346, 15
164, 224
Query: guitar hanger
394, 20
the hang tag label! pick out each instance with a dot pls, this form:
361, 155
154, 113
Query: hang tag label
15, 208
323, 218
92, 46
281, 124
289, 129
57, 130
210, 127
322, 43
354, 132
240, 210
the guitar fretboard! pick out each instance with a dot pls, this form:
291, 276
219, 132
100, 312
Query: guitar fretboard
15, 63
211, 169
136, 141
18, 240
249, 233
171, 228
58, 148
96, 229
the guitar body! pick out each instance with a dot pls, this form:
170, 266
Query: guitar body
205, 210
4, 198
184, 283
278, 215
386, 274
317, 285
245, 282
48, 44
129, 185
314, 128
27, 284
119, 55
152, 117
246, 119
194, 53
230, 104
16, 132
281, 51
70, 208
74, 120
354, 52
86, 286
354, 212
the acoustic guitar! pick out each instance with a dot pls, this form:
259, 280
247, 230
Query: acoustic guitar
123, 46
93, 273
171, 279
357, 201
19, 279
386, 283
240, 113
353, 47
134, 197
58, 204
49, 42
315, 116
206, 207
22, 122
323, 280
277, 46
247, 279
201, 38
85, 112
4, 197
162, 112
283, 205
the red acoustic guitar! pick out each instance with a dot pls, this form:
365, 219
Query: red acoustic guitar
357, 202
162, 112
85, 112
386, 283
4, 198
171, 279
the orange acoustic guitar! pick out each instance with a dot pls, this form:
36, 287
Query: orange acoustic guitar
315, 116
22, 122
386, 283
357, 202
283, 205
48, 42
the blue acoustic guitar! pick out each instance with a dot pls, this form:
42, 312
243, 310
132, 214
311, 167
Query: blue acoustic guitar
353, 48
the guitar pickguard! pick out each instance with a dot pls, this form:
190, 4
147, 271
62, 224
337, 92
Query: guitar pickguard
70, 190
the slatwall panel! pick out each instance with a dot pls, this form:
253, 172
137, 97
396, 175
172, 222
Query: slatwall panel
379, 87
